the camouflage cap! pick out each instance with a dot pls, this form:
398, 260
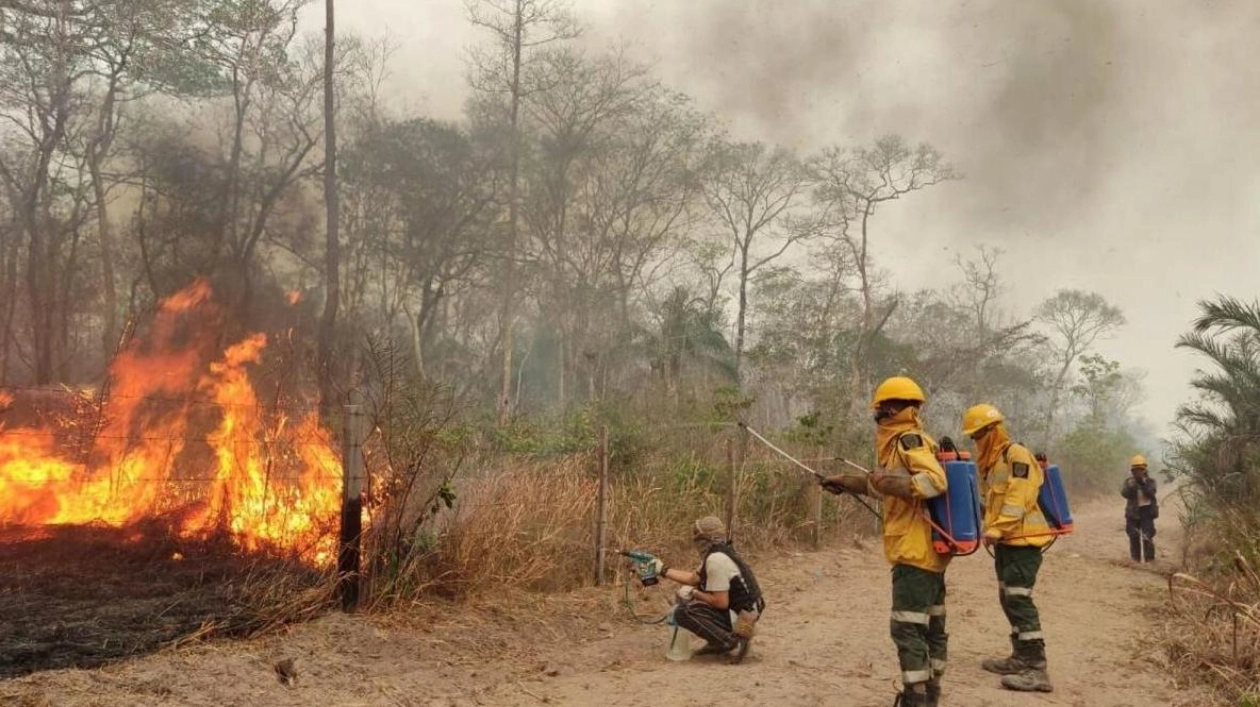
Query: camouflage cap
710, 528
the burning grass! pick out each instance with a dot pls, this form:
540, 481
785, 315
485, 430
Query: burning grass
171, 503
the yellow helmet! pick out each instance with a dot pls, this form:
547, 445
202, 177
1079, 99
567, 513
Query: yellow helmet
1138, 461
979, 417
897, 388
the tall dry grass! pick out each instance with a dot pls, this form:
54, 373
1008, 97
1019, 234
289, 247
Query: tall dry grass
531, 523
1213, 631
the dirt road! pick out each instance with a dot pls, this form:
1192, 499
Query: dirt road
824, 642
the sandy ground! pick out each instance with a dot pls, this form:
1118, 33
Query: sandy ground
824, 641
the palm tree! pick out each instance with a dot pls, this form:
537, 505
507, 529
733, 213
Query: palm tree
689, 332
1222, 450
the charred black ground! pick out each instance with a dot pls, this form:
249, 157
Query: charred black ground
84, 596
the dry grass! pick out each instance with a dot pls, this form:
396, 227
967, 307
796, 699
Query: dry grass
531, 525
1213, 632
528, 527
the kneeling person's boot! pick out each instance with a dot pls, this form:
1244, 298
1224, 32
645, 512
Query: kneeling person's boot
1010, 665
717, 648
1034, 677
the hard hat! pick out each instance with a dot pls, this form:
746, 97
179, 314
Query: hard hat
978, 417
1137, 461
897, 388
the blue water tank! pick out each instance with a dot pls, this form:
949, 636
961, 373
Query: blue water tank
957, 513
1054, 501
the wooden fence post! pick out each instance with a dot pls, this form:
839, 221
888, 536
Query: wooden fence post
815, 500
351, 507
601, 524
732, 488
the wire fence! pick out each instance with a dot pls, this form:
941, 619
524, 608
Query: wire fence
268, 469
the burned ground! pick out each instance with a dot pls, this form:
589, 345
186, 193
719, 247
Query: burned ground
84, 596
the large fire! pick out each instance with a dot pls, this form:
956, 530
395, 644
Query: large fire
182, 434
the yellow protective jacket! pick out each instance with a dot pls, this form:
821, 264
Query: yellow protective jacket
1010, 485
903, 447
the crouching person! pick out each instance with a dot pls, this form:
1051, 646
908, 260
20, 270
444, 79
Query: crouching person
724, 583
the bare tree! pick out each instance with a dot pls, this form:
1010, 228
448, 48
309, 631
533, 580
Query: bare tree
518, 27
981, 286
752, 192
853, 186
1076, 319
584, 214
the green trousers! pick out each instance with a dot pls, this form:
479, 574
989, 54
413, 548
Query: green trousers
918, 623
1017, 574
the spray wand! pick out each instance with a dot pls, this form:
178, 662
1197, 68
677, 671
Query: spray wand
801, 465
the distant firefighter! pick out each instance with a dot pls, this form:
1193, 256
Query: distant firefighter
1141, 508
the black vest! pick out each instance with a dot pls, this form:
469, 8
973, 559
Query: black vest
745, 594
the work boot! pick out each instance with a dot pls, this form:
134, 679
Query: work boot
1009, 665
933, 694
908, 697
742, 644
716, 648
1033, 678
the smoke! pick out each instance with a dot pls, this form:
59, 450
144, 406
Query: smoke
1109, 145
1106, 145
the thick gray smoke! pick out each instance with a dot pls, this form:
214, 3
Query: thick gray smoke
1107, 145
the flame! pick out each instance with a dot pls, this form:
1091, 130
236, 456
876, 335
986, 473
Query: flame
182, 430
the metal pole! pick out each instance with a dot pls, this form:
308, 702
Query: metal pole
351, 508
601, 527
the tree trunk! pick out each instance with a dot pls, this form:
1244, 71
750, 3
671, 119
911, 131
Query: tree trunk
509, 281
332, 242
417, 339
1055, 392
9, 257
109, 289
743, 312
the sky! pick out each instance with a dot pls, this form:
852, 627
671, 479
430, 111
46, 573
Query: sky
1107, 145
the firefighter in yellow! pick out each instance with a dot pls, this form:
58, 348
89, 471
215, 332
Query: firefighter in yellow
908, 475
1010, 479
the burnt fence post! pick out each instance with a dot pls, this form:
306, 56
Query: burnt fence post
351, 507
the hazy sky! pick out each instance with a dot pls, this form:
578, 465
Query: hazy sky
1110, 145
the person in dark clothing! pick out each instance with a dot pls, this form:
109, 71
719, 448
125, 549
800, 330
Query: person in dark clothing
723, 584
1141, 508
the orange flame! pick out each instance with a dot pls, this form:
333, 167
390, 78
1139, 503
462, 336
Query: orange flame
267, 483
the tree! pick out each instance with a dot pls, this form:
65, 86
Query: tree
1076, 319
752, 191
432, 201
44, 65
332, 222
1220, 449
981, 286
688, 334
517, 28
853, 185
